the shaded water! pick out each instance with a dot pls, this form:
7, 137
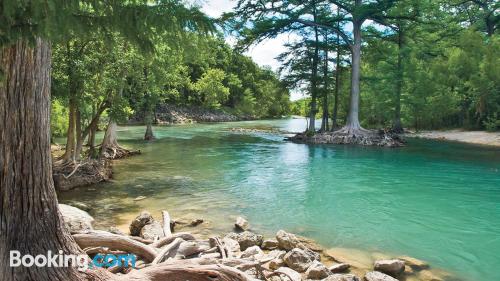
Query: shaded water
437, 201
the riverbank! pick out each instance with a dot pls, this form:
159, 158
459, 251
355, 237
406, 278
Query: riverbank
471, 137
282, 257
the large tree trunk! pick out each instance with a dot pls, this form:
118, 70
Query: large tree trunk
30, 221
324, 123
353, 125
69, 154
397, 126
314, 86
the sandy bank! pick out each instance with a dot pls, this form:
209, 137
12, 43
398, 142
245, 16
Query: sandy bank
473, 137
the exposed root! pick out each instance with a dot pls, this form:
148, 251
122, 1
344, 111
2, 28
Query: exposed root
352, 135
68, 175
118, 152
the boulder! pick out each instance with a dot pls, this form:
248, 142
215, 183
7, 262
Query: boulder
287, 241
276, 263
76, 220
152, 231
338, 268
378, 276
391, 267
297, 259
427, 275
139, 222
241, 224
246, 239
414, 263
196, 222
317, 271
290, 273
341, 277
269, 244
251, 252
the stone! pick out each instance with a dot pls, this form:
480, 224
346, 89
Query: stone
269, 244
196, 222
246, 239
290, 273
276, 263
378, 276
152, 231
298, 260
391, 267
287, 241
251, 252
241, 224
341, 277
232, 245
317, 271
79, 205
139, 198
338, 268
139, 222
414, 263
427, 275
76, 220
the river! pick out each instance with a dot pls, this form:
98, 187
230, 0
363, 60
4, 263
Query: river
437, 201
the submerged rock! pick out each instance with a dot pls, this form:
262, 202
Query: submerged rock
338, 268
391, 267
378, 276
76, 220
317, 271
414, 263
139, 222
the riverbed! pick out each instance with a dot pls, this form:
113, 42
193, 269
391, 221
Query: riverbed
433, 200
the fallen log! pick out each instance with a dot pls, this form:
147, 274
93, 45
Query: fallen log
169, 251
167, 240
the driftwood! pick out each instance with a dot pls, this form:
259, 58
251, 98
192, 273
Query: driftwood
167, 240
114, 241
166, 224
183, 270
190, 248
169, 251
140, 239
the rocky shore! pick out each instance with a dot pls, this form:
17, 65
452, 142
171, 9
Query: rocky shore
364, 137
172, 114
243, 253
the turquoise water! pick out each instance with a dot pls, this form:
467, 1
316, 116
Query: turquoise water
437, 201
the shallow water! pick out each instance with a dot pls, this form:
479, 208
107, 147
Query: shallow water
437, 201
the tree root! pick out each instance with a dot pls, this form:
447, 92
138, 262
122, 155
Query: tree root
68, 175
117, 152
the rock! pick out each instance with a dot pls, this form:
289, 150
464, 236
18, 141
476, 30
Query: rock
276, 263
115, 230
427, 275
79, 205
241, 224
297, 259
232, 245
152, 231
269, 244
75, 220
391, 267
292, 274
139, 222
414, 263
338, 268
246, 239
317, 271
378, 276
341, 277
251, 252
287, 241
309, 243
195, 222
139, 198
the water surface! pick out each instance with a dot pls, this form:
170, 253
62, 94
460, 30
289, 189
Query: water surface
437, 201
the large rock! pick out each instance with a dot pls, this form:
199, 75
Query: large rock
287, 241
241, 224
246, 239
341, 277
76, 220
340, 267
414, 263
317, 271
139, 222
391, 267
378, 276
297, 259
292, 274
152, 231
269, 244
252, 252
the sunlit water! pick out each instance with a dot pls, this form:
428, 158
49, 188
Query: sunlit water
436, 201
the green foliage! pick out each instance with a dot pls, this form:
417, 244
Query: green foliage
210, 88
59, 119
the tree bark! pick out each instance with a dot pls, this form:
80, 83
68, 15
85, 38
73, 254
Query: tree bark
324, 123
353, 115
397, 126
314, 86
337, 81
30, 221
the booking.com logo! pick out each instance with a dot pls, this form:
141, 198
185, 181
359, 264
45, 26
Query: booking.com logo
82, 262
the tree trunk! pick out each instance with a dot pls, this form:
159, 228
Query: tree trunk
337, 81
353, 115
314, 87
324, 123
30, 221
69, 153
149, 132
397, 126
